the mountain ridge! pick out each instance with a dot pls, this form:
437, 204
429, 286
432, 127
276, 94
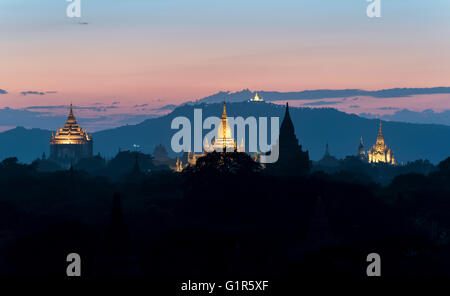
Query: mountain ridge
317, 94
314, 128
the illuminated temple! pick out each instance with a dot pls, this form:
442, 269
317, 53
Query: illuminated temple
380, 152
70, 143
223, 142
256, 99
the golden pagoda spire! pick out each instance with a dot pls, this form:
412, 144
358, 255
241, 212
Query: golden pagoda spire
224, 113
224, 137
224, 122
380, 138
71, 118
380, 132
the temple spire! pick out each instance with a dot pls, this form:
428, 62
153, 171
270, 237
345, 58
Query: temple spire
327, 151
287, 127
361, 151
224, 113
224, 139
224, 123
380, 132
71, 117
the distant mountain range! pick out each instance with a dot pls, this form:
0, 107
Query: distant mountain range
244, 95
404, 115
314, 128
97, 116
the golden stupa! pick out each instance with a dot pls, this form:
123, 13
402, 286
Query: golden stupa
224, 142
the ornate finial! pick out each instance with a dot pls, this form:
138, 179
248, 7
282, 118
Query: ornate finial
380, 132
287, 110
224, 113
71, 118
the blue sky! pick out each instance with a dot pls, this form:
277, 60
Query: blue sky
160, 52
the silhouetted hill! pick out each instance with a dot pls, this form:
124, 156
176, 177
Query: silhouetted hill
25, 144
313, 127
245, 95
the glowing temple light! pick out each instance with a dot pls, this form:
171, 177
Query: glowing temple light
71, 142
380, 152
256, 99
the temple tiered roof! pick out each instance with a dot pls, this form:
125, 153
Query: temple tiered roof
71, 132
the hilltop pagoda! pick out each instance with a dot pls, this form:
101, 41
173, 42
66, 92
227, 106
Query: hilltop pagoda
70, 143
256, 99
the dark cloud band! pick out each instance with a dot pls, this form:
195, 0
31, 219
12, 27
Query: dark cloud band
32, 92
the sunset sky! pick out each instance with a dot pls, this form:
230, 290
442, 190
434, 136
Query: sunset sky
160, 52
